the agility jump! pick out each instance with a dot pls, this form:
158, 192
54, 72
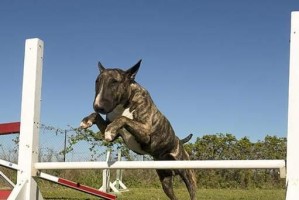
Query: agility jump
14, 127
26, 187
28, 165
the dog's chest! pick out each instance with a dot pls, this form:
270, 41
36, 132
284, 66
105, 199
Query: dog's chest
120, 111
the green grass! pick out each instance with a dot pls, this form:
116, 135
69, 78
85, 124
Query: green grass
157, 194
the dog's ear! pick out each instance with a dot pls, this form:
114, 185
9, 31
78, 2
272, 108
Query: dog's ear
100, 66
133, 70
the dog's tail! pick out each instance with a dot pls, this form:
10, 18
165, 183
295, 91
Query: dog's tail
186, 139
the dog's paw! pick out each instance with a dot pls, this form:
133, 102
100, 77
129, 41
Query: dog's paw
108, 136
85, 124
88, 121
110, 133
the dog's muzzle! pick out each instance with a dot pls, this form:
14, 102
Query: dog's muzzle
102, 108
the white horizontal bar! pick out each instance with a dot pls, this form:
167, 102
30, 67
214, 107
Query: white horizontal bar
194, 164
49, 177
9, 164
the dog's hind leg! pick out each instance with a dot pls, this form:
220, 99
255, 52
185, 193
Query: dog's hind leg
189, 179
166, 178
188, 175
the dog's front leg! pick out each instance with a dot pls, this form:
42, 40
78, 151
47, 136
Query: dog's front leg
137, 129
94, 118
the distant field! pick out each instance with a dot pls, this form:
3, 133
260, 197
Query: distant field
157, 194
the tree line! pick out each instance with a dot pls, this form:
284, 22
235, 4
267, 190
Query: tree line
228, 147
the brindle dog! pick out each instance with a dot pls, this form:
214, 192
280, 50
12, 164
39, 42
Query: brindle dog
131, 113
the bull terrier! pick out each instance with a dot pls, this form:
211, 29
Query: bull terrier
131, 114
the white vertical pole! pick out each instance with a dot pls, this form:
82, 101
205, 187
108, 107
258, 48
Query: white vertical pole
106, 175
293, 113
26, 188
118, 172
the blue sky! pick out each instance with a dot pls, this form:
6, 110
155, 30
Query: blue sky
211, 66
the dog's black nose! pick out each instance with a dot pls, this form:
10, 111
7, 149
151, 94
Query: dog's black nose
99, 109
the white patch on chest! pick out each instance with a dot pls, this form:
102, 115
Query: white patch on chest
120, 111
128, 138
